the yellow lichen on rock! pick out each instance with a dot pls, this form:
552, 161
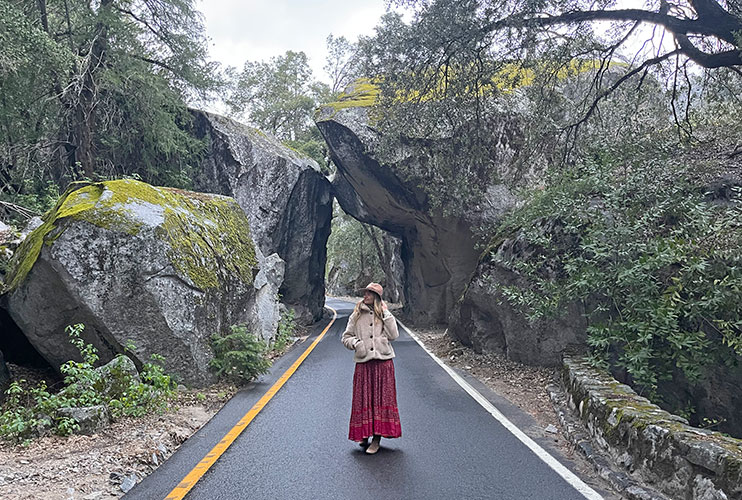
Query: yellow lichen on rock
364, 92
208, 235
360, 94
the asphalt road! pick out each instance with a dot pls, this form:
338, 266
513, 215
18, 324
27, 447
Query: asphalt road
297, 447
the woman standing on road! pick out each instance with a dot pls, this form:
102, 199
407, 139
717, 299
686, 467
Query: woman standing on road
374, 411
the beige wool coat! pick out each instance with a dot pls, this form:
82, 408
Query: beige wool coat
369, 336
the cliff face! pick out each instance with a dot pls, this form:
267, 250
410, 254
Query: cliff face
485, 320
284, 195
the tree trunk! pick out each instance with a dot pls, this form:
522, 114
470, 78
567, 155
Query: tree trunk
82, 136
41, 4
385, 259
82, 159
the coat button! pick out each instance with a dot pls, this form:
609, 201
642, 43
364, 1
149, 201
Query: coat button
372, 348
370, 324
372, 336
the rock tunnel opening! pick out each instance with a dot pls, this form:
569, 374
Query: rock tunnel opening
359, 253
15, 347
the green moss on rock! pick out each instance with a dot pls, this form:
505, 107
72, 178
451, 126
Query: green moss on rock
213, 245
208, 235
631, 423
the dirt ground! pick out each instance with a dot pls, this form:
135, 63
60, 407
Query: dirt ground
95, 467
103, 465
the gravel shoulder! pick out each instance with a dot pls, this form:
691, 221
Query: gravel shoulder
102, 465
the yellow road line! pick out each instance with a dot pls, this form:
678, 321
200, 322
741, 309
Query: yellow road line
205, 464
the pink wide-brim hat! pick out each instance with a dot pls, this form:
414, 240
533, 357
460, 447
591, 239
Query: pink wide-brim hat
373, 287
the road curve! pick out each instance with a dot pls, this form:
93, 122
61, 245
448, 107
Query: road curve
297, 447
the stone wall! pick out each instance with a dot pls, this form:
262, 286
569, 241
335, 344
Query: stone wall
654, 446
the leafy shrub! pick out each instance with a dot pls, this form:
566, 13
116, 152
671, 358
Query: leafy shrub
286, 329
29, 411
655, 262
149, 396
239, 356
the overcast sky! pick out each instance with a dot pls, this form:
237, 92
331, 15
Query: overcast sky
255, 30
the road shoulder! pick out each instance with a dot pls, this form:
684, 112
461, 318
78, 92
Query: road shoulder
520, 392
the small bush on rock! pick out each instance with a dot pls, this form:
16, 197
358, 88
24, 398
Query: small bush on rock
286, 330
239, 356
654, 258
149, 396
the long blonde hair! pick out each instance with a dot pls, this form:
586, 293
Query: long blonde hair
378, 310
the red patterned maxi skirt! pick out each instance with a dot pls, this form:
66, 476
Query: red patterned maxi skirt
374, 410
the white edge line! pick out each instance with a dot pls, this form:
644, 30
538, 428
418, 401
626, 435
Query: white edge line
552, 462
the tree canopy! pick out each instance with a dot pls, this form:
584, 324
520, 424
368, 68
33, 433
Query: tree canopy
341, 64
280, 95
705, 31
277, 96
554, 70
98, 90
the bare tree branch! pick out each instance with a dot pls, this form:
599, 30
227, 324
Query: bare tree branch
712, 21
720, 60
156, 63
144, 22
620, 81
709, 27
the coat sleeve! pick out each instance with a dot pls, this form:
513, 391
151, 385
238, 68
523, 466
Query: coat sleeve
349, 337
390, 326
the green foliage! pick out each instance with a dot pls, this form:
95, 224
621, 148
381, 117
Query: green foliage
715, 117
278, 96
149, 396
286, 330
30, 411
480, 92
341, 64
350, 251
239, 356
91, 93
656, 264
312, 144
36, 195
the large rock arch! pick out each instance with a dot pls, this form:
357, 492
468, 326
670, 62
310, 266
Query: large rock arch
439, 252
